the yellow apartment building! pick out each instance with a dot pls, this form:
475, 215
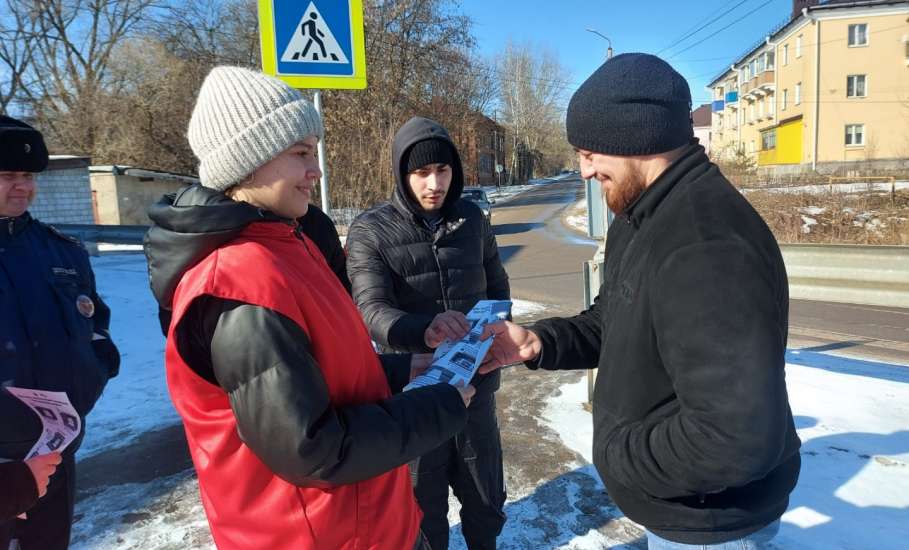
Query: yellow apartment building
827, 87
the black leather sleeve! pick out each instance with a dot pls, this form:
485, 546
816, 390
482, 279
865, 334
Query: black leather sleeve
397, 370
284, 414
19, 489
373, 292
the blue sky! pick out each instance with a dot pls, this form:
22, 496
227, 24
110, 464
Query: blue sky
633, 26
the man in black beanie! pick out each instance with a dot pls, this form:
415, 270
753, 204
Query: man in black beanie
53, 333
693, 434
417, 264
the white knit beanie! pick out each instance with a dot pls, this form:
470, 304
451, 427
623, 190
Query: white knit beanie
243, 119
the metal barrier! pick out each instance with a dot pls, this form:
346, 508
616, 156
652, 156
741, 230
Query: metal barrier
113, 234
852, 274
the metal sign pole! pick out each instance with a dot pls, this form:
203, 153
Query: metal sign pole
323, 166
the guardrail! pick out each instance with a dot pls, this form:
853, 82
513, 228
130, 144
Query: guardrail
855, 274
113, 234
852, 274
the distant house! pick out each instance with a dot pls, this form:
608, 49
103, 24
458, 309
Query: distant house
121, 194
64, 193
481, 149
701, 119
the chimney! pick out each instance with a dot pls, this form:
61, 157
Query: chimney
798, 5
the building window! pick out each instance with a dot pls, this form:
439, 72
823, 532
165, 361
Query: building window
855, 85
760, 64
855, 135
771, 58
771, 105
750, 111
858, 35
798, 46
768, 139
798, 94
785, 54
785, 100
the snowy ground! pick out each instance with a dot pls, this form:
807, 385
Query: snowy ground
576, 216
853, 419
854, 187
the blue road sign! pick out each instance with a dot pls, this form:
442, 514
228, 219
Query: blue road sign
314, 43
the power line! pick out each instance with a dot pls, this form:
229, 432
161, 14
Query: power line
705, 25
708, 37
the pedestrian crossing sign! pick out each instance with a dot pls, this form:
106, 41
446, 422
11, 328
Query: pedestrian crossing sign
313, 43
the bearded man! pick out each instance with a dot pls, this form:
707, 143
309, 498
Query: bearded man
693, 434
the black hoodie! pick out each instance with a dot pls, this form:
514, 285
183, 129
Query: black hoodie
287, 418
403, 273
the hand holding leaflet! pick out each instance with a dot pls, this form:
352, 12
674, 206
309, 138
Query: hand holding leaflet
457, 363
60, 421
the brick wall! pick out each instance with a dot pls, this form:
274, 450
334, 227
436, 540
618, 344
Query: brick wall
64, 193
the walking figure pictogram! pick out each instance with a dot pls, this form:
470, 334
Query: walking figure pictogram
315, 36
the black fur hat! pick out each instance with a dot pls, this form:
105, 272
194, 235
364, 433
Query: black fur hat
22, 148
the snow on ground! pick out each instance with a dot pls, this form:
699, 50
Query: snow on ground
576, 217
853, 419
821, 189
136, 401
524, 308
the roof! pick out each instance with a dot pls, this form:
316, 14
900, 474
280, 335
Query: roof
792, 21
701, 116
142, 173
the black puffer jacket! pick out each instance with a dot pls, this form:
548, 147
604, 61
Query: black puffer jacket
403, 274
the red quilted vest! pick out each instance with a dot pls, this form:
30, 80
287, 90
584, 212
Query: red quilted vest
247, 505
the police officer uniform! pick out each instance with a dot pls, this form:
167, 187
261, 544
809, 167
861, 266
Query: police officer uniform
53, 336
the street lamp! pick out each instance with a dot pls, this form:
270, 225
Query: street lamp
601, 35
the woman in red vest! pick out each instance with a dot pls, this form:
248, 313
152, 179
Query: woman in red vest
297, 432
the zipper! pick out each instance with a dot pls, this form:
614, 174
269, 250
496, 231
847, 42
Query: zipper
298, 233
435, 254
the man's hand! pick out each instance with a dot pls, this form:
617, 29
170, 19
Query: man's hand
42, 468
512, 344
449, 325
419, 363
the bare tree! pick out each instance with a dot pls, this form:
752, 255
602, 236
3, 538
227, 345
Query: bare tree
17, 30
532, 86
73, 45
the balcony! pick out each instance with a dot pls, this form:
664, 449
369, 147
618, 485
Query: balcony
732, 97
759, 85
718, 106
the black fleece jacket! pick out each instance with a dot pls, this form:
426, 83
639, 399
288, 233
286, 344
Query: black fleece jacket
286, 418
403, 273
693, 434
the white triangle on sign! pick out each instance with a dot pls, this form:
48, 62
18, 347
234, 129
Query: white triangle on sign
313, 41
